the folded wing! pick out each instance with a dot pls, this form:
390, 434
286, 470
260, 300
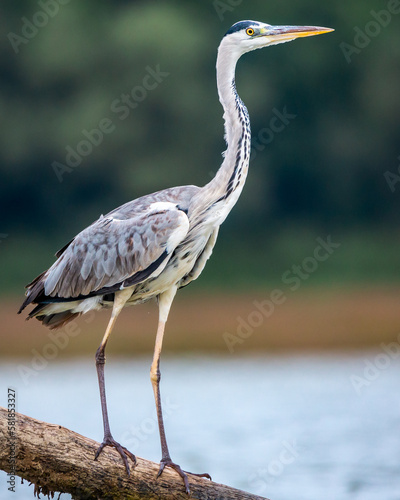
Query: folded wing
113, 254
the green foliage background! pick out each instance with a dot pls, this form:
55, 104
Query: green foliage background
323, 174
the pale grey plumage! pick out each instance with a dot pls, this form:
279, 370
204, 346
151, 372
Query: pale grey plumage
152, 246
118, 246
113, 249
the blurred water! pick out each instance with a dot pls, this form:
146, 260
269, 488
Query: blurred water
284, 427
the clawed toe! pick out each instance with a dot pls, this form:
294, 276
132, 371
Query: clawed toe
182, 473
207, 476
124, 453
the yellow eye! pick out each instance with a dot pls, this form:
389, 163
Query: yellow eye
250, 31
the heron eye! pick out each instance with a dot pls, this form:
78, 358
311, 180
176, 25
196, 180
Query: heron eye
250, 31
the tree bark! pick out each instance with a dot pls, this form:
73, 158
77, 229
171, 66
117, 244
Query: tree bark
56, 459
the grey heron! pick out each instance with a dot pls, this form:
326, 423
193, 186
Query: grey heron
154, 245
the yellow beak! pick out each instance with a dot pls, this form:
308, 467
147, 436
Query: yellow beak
292, 32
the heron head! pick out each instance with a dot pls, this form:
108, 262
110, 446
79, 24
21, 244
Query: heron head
251, 35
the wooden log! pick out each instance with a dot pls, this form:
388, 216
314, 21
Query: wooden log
56, 459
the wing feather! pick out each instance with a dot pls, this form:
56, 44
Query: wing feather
112, 250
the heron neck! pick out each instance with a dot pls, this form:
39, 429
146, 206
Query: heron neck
228, 182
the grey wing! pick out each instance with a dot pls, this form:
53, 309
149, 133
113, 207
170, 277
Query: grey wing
181, 195
112, 250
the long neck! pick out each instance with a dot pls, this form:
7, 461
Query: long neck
227, 184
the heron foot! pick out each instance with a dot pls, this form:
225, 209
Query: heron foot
110, 441
182, 473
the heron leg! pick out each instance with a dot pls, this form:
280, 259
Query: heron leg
165, 301
119, 302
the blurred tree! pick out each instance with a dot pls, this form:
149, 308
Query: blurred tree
147, 70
